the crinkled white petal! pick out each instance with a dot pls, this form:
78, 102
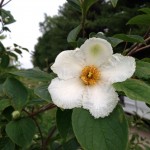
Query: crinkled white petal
100, 100
97, 51
68, 64
118, 68
66, 94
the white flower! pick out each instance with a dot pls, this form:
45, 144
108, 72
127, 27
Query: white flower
86, 75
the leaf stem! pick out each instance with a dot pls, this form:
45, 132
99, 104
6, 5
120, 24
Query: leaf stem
49, 137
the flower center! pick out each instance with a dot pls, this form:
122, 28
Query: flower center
90, 75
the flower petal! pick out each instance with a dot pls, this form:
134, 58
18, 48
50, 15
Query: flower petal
118, 68
66, 94
68, 64
100, 100
97, 51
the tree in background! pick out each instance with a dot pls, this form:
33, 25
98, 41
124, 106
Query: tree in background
102, 17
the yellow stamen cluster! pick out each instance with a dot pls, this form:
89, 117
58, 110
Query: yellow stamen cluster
90, 75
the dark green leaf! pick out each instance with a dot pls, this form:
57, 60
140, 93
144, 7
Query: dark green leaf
6, 29
18, 51
145, 10
4, 103
6, 16
1, 90
142, 70
63, 119
75, 4
34, 74
17, 91
42, 92
25, 49
140, 19
7, 113
86, 4
4, 61
73, 34
114, 41
21, 131
2, 48
72, 144
146, 60
12, 54
109, 133
130, 38
134, 89
114, 2
6, 144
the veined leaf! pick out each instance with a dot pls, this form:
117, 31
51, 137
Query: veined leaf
14, 89
130, 38
42, 92
21, 131
109, 133
142, 70
134, 89
140, 19
34, 74
73, 34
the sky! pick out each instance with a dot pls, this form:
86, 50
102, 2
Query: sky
25, 31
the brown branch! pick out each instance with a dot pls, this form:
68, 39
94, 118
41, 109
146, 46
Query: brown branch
137, 47
147, 46
44, 108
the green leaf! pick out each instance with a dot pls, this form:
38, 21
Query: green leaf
146, 60
17, 91
4, 61
42, 92
1, 90
63, 119
21, 131
73, 34
140, 19
109, 133
134, 89
6, 16
114, 2
142, 70
71, 144
86, 4
18, 51
114, 41
145, 10
2, 48
130, 38
6, 144
4, 103
34, 74
75, 4
12, 55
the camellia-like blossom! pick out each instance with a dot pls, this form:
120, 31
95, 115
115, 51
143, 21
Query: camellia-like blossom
86, 75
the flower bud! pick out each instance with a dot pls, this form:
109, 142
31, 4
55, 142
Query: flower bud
15, 114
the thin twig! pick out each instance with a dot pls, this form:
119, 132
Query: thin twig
6, 3
47, 107
1, 3
39, 129
49, 137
